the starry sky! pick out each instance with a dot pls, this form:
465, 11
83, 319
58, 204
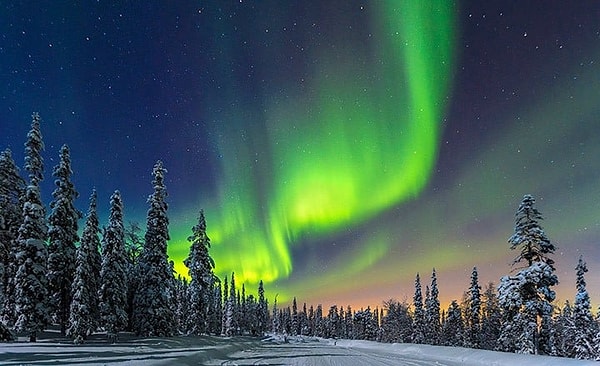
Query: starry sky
337, 147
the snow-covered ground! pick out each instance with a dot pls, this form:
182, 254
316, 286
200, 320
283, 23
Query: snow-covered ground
248, 351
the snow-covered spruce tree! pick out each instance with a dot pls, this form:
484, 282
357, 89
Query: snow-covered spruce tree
263, 310
243, 311
251, 318
390, 324
153, 302
333, 324
491, 319
113, 288
286, 320
62, 235
84, 311
183, 308
586, 327
215, 313
418, 327
342, 319
275, 324
453, 329
310, 322
294, 319
31, 300
564, 332
12, 192
319, 322
532, 284
228, 329
432, 313
200, 266
364, 325
472, 336
397, 322
224, 298
234, 305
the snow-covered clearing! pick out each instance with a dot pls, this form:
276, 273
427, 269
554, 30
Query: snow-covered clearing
249, 351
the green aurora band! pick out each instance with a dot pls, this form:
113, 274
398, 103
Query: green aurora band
359, 137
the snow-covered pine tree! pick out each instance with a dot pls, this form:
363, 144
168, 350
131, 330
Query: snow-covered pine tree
397, 322
350, 323
62, 235
12, 192
286, 320
319, 322
200, 266
418, 327
373, 324
453, 329
224, 299
472, 336
491, 318
532, 284
428, 331
215, 313
586, 327
153, 301
233, 304
84, 310
183, 308
564, 332
390, 328
311, 321
228, 329
365, 326
31, 300
243, 311
432, 313
113, 289
263, 309
294, 320
341, 321
333, 327
275, 325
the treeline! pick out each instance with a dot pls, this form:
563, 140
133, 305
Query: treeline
516, 316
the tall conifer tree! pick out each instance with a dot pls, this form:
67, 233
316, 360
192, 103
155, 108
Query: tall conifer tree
433, 327
84, 310
586, 327
200, 266
263, 309
491, 318
62, 238
113, 288
529, 295
31, 284
418, 331
12, 193
472, 338
153, 302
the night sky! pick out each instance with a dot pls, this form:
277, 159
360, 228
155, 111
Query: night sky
337, 147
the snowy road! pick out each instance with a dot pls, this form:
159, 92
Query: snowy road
205, 350
320, 354
349, 353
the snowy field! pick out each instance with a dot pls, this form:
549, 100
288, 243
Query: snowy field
249, 351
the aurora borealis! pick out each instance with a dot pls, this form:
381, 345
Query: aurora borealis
336, 147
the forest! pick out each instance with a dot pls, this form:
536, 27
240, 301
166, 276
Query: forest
113, 279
